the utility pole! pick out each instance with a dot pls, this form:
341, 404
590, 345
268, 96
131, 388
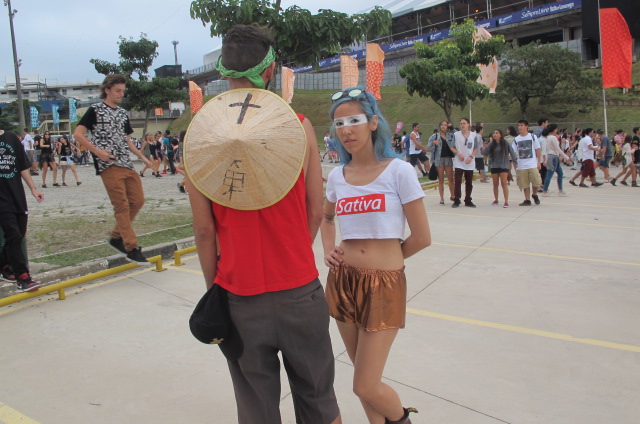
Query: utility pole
16, 65
175, 49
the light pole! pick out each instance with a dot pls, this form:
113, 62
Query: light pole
16, 65
175, 49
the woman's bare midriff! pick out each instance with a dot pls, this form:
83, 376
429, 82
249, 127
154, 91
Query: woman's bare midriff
382, 254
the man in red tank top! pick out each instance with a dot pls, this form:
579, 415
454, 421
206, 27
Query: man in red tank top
267, 266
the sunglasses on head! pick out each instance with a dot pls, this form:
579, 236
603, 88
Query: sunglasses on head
351, 94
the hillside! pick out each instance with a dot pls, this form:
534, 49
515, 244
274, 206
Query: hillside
397, 105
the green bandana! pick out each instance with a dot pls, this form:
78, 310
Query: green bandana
252, 74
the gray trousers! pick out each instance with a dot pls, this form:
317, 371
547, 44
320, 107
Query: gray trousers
296, 323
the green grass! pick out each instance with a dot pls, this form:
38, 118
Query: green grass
86, 254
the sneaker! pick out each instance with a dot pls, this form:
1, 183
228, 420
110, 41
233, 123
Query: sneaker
56, 185
562, 194
44, 186
526, 203
506, 205
572, 183
613, 181
117, 244
469, 204
8, 275
424, 174
181, 188
78, 183
164, 172
634, 184
546, 194
624, 183
596, 184
26, 284
135, 255
583, 185
536, 199
495, 202
63, 184
455, 204
158, 175
141, 174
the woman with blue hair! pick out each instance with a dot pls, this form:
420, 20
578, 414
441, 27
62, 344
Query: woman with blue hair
374, 193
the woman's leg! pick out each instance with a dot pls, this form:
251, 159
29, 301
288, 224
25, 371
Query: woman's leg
44, 170
504, 181
560, 173
75, 172
450, 180
64, 173
624, 171
547, 180
55, 172
441, 182
369, 352
496, 179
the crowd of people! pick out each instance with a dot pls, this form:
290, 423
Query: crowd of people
55, 152
535, 155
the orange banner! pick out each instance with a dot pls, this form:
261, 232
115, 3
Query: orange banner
488, 74
616, 45
349, 71
375, 69
288, 78
159, 111
195, 97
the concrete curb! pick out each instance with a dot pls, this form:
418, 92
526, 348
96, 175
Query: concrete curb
46, 278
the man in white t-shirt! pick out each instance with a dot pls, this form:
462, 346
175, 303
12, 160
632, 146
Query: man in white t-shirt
588, 159
417, 152
465, 146
527, 147
27, 142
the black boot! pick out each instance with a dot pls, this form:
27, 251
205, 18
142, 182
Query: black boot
405, 418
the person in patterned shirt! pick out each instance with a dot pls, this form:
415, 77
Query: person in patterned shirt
110, 145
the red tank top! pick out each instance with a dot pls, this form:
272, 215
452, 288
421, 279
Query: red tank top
268, 249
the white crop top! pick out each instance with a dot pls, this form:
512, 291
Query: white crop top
374, 211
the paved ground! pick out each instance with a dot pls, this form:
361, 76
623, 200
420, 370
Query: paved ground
519, 315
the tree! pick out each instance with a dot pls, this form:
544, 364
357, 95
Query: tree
550, 73
300, 37
9, 120
136, 57
448, 71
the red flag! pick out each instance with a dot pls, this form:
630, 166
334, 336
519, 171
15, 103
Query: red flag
616, 44
375, 69
159, 111
195, 97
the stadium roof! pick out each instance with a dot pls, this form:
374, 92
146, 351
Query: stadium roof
401, 7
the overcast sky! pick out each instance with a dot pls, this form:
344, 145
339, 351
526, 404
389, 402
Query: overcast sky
56, 38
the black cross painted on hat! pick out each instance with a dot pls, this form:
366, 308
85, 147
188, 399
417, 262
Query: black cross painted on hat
246, 105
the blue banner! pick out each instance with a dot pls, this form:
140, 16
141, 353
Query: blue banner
35, 123
73, 112
496, 21
56, 115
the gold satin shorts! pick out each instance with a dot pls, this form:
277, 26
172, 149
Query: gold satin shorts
371, 299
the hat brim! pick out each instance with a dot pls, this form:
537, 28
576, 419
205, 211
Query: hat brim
245, 149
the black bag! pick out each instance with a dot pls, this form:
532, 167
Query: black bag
211, 323
433, 172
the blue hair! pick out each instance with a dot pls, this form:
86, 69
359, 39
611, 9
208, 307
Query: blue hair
381, 136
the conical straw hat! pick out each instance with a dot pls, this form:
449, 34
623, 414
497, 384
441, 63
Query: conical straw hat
245, 149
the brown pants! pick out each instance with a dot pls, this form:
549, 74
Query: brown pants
125, 192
